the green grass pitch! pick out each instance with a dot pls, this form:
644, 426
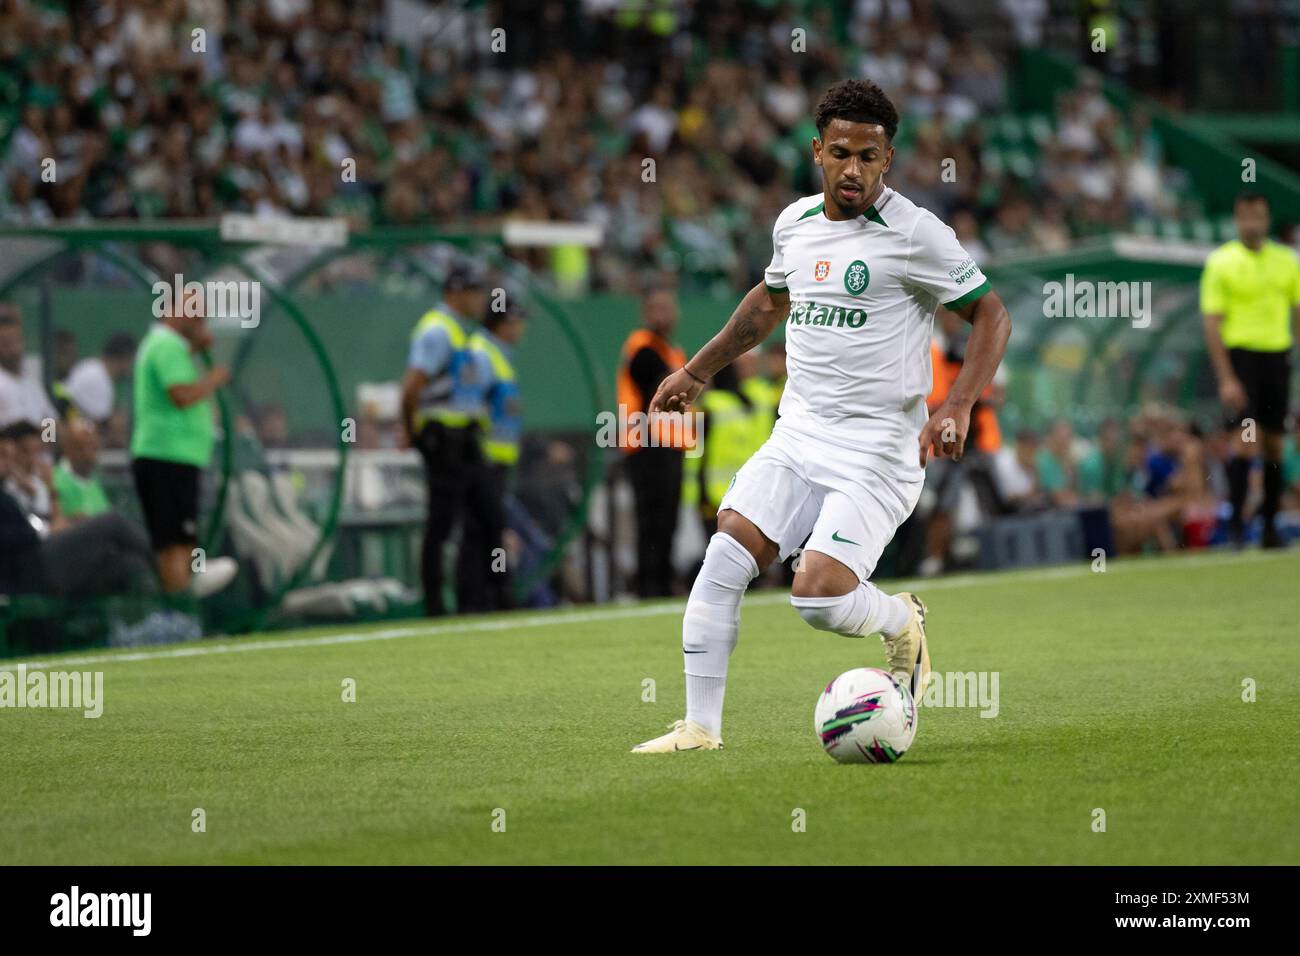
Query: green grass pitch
1119, 690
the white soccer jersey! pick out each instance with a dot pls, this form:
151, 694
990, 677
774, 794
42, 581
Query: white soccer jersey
863, 293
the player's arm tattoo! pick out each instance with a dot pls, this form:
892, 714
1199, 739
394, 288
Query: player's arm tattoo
759, 312
745, 327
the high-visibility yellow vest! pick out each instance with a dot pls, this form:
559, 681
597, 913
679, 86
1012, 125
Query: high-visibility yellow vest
765, 395
436, 402
501, 443
657, 16
731, 436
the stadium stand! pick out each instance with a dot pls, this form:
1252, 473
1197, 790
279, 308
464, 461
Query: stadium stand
401, 120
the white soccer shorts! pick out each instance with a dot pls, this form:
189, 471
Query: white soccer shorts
796, 487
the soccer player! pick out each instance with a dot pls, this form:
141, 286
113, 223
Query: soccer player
856, 273
1250, 296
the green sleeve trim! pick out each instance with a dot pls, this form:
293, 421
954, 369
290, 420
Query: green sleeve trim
776, 288
970, 296
813, 211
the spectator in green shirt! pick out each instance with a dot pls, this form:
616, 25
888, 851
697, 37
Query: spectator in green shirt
1103, 472
76, 477
1055, 465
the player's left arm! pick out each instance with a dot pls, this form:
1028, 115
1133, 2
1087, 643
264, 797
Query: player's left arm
761, 310
945, 433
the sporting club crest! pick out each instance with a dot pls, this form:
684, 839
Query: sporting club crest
856, 277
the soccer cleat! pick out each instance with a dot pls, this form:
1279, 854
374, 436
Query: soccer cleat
909, 656
682, 735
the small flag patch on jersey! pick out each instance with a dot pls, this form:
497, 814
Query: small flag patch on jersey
822, 270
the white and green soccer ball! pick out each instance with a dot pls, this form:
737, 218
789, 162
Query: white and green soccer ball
865, 716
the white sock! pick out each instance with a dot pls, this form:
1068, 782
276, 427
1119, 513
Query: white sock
895, 614
711, 627
864, 610
704, 701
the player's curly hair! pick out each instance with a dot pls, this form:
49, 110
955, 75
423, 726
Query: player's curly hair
858, 101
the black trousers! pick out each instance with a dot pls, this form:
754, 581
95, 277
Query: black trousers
97, 557
458, 484
656, 476
482, 574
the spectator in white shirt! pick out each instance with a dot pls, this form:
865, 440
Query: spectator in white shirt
22, 397
89, 386
1016, 473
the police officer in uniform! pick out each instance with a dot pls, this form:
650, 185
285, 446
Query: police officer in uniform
444, 408
484, 576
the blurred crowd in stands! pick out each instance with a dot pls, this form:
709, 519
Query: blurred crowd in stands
458, 116
1155, 481
191, 108
1160, 477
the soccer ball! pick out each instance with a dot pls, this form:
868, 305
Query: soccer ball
865, 716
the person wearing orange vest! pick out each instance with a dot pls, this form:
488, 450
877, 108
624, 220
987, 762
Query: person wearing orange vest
653, 455
945, 477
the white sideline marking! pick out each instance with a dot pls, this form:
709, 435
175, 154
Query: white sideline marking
545, 619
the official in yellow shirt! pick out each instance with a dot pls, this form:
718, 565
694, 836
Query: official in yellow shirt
1250, 306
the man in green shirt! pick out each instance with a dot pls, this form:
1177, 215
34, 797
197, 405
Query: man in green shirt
76, 477
1055, 466
1103, 472
1250, 298
172, 443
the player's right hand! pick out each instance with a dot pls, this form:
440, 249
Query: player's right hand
944, 435
1232, 394
676, 392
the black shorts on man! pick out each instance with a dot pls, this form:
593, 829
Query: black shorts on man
1266, 379
169, 496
